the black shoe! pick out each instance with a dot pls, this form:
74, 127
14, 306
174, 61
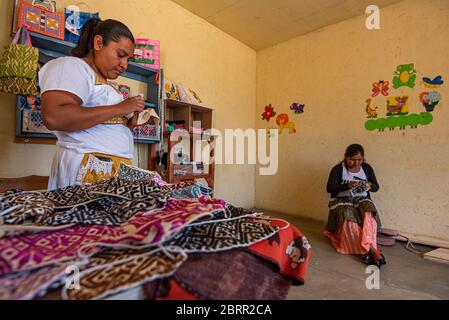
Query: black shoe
381, 262
367, 259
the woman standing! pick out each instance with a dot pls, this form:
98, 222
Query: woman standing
353, 218
85, 112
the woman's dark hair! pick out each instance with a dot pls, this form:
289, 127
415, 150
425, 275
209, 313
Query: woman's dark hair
110, 30
353, 150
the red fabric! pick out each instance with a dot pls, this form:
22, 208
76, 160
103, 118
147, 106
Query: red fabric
288, 249
275, 249
353, 239
178, 293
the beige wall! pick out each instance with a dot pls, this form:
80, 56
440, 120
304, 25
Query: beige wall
332, 71
194, 53
16, 159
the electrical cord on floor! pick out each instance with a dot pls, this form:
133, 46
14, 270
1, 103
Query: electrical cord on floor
410, 247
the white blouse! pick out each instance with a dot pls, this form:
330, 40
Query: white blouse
348, 176
74, 75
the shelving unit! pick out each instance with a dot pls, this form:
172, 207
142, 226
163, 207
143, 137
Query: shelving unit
180, 111
51, 48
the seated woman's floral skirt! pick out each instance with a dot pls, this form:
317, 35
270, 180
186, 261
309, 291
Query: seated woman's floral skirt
352, 225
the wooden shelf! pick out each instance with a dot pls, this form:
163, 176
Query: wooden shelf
35, 140
167, 134
51, 48
192, 176
208, 177
187, 112
174, 102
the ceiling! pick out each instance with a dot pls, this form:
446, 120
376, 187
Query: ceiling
264, 23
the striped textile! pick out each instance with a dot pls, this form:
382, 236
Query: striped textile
354, 239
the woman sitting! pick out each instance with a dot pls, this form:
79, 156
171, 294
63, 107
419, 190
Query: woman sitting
353, 219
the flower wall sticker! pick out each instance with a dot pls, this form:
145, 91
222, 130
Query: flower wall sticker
268, 113
283, 123
430, 100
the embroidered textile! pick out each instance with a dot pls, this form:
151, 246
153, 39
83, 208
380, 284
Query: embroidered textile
20, 207
36, 250
107, 210
110, 202
28, 285
82, 194
288, 249
96, 167
232, 212
132, 173
350, 209
176, 186
187, 189
120, 270
9, 230
223, 235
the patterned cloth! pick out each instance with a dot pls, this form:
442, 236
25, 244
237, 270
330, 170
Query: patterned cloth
176, 186
113, 271
108, 203
30, 284
354, 239
232, 212
159, 181
107, 211
132, 173
20, 207
187, 189
70, 196
96, 167
82, 194
9, 230
36, 250
227, 233
229, 275
350, 209
288, 249
133, 209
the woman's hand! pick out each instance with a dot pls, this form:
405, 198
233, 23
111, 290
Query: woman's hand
132, 122
130, 105
353, 184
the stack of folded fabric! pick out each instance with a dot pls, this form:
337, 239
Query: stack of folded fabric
92, 241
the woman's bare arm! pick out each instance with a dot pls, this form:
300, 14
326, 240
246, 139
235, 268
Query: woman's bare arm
62, 111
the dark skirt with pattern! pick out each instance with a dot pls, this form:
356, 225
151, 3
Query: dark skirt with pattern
350, 209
